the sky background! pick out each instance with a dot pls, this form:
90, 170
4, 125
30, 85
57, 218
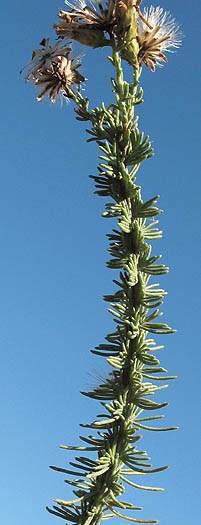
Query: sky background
53, 273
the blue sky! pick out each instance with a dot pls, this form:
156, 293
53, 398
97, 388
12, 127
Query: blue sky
53, 274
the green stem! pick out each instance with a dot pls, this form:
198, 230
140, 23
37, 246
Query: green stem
123, 394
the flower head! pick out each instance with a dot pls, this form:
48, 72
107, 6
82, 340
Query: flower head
52, 69
157, 33
90, 14
86, 24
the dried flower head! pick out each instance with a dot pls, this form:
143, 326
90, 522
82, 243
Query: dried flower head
157, 33
86, 24
52, 69
104, 17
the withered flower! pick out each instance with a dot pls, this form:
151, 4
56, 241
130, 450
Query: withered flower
157, 33
53, 70
86, 24
83, 12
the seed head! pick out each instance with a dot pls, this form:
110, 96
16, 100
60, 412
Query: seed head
157, 33
53, 69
